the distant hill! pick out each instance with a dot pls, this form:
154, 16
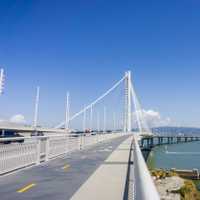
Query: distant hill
166, 130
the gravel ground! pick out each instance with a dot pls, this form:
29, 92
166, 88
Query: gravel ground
165, 186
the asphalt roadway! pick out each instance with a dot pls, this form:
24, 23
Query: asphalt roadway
58, 179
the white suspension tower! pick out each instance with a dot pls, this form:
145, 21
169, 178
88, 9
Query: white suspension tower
127, 108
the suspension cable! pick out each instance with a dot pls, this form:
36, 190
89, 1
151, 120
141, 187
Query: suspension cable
138, 111
93, 103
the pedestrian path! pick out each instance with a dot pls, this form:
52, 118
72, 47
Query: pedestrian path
109, 180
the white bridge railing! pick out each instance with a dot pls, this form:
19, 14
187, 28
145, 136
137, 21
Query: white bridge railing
35, 150
144, 187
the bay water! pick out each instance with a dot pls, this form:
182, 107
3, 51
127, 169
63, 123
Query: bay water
179, 156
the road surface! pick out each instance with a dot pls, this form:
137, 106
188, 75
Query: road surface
58, 179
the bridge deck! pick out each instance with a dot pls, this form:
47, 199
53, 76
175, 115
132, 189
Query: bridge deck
58, 179
109, 180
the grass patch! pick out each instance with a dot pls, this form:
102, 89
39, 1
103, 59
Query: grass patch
189, 191
197, 184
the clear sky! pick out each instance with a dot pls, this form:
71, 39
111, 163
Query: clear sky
85, 46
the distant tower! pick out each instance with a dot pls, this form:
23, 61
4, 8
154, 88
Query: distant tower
127, 106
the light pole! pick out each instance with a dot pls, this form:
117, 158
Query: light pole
98, 123
36, 108
98, 126
2, 81
114, 121
91, 117
104, 119
84, 119
67, 113
84, 127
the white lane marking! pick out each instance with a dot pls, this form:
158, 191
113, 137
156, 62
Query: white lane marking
105, 150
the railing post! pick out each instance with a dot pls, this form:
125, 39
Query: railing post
47, 149
97, 139
66, 146
38, 151
81, 141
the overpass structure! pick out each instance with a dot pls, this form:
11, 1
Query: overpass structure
30, 129
97, 165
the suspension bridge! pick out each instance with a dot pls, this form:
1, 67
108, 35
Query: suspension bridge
99, 162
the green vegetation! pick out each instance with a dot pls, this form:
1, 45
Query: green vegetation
161, 174
146, 136
189, 191
197, 183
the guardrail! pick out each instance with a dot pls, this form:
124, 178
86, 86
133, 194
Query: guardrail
37, 149
144, 187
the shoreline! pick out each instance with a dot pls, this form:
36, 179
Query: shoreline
172, 187
194, 184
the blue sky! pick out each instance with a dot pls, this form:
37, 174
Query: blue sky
85, 46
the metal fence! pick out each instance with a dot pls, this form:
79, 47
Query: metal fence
14, 156
35, 150
144, 187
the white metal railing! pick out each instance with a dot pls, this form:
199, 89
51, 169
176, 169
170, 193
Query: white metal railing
14, 156
42, 148
144, 187
57, 146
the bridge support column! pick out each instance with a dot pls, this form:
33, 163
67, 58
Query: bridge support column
152, 142
148, 142
159, 140
142, 142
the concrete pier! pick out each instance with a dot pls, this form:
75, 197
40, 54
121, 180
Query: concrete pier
150, 142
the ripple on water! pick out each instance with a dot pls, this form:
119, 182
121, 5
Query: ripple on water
180, 156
